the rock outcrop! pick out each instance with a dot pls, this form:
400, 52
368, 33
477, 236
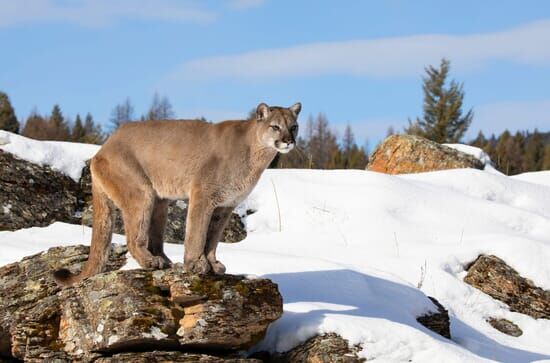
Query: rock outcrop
494, 277
403, 154
33, 195
122, 316
36, 196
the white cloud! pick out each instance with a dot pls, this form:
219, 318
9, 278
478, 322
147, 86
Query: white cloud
384, 57
99, 12
525, 115
245, 4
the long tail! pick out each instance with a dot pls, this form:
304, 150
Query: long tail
101, 240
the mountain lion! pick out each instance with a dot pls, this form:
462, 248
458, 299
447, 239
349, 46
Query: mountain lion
144, 165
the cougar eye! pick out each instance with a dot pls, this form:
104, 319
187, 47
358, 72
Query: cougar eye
294, 128
275, 127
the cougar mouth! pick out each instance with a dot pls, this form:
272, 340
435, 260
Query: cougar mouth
284, 147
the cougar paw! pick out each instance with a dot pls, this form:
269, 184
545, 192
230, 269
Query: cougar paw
217, 267
158, 263
199, 267
165, 261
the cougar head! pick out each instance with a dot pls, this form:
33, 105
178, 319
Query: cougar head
278, 126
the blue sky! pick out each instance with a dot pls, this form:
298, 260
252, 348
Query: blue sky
359, 62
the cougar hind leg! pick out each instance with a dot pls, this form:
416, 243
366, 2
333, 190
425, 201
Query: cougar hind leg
133, 194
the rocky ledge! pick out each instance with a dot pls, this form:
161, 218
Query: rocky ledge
123, 316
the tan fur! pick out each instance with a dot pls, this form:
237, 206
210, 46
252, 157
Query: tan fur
143, 165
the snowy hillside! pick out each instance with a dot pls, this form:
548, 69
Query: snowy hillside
349, 250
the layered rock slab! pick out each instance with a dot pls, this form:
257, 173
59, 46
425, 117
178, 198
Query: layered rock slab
125, 310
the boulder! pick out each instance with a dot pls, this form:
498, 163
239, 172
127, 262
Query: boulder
403, 154
111, 316
505, 326
494, 277
34, 195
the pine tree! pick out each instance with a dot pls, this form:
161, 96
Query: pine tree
160, 109
515, 153
322, 144
546, 158
122, 113
480, 141
58, 129
534, 152
8, 120
501, 151
92, 131
348, 143
78, 131
443, 121
36, 127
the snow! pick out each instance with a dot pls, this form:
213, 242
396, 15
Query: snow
357, 252
476, 153
66, 157
538, 177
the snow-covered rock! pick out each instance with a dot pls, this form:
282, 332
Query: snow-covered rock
66, 157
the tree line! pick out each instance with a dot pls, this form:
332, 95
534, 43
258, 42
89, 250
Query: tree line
59, 127
517, 153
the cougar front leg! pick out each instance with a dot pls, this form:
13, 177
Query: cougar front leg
156, 232
215, 231
198, 217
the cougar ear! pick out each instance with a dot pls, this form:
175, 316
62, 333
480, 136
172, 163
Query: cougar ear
262, 111
296, 108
